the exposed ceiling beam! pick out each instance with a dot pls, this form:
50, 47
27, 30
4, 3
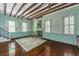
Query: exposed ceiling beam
42, 9
49, 5
65, 6
55, 9
28, 9
12, 8
34, 9
5, 6
48, 10
20, 8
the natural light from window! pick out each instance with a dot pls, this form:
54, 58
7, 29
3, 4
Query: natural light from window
24, 27
11, 26
69, 24
47, 26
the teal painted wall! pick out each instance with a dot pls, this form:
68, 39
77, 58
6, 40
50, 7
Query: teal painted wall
57, 25
70, 39
18, 21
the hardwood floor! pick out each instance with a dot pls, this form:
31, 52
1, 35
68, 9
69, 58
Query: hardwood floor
49, 48
4, 49
61, 49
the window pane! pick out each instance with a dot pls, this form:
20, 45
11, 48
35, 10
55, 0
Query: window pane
47, 27
72, 29
66, 20
66, 30
24, 27
11, 26
69, 24
48, 23
11, 23
11, 29
71, 19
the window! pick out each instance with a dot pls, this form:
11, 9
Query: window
47, 26
11, 26
24, 27
69, 24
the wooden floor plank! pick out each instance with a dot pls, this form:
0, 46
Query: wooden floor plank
49, 48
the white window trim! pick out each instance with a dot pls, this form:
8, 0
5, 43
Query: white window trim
24, 27
69, 25
13, 26
47, 26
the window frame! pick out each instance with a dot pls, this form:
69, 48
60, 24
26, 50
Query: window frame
23, 28
69, 25
12, 26
47, 26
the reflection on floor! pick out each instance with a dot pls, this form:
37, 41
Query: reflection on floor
48, 48
12, 49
